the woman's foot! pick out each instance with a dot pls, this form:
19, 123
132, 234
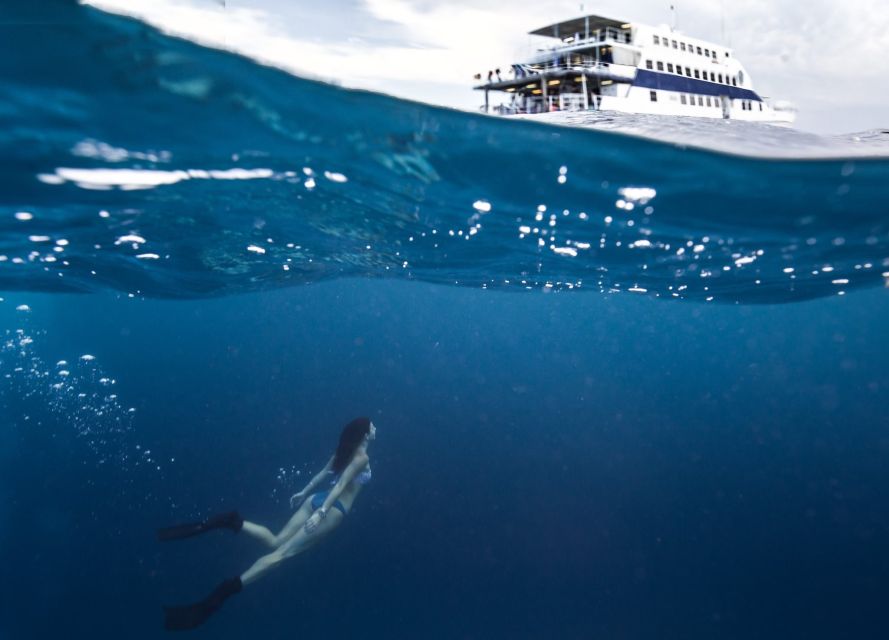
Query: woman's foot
189, 616
230, 520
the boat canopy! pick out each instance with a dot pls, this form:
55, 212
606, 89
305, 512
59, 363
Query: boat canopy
578, 25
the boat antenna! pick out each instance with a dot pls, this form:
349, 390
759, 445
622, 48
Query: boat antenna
673, 11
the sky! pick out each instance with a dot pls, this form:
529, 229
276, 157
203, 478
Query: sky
825, 56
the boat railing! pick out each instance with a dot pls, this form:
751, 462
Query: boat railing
568, 102
593, 37
583, 65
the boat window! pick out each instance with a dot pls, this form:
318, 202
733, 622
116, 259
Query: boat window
653, 95
660, 66
760, 106
697, 74
707, 52
727, 54
734, 82
648, 64
657, 40
714, 54
688, 71
682, 46
670, 67
682, 99
713, 76
699, 51
720, 78
675, 45
708, 102
741, 77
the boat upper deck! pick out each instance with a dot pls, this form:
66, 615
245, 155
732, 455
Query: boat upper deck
580, 33
586, 25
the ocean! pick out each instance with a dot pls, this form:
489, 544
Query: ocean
629, 378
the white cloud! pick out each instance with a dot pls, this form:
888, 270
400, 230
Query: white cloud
429, 53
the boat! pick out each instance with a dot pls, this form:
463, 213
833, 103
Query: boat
598, 63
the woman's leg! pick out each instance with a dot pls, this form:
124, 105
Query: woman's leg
193, 615
273, 541
299, 542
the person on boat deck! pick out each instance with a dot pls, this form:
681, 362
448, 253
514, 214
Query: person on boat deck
317, 516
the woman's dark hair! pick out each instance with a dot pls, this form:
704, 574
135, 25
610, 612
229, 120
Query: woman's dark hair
350, 439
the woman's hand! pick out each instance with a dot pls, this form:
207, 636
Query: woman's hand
315, 519
297, 499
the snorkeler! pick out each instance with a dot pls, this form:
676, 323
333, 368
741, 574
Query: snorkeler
315, 518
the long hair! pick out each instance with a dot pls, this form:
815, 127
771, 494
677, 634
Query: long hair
352, 436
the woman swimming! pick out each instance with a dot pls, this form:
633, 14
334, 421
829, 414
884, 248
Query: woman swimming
315, 518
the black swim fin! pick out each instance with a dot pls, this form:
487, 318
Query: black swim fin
190, 616
230, 520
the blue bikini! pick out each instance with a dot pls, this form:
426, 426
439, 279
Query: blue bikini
319, 498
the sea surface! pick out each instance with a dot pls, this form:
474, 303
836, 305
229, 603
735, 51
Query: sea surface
630, 375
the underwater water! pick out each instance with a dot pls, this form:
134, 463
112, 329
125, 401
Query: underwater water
627, 384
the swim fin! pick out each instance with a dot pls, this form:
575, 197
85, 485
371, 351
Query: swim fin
230, 520
190, 616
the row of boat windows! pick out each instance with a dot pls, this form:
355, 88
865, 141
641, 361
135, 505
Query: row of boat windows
682, 46
712, 76
705, 101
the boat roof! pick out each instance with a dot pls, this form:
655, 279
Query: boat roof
577, 25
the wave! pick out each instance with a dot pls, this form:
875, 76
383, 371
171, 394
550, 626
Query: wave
143, 163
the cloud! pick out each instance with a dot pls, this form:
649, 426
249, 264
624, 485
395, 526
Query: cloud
427, 54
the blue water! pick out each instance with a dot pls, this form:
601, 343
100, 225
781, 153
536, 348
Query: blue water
627, 385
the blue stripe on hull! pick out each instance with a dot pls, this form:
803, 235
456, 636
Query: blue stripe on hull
669, 82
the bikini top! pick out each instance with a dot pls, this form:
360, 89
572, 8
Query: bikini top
362, 478
365, 475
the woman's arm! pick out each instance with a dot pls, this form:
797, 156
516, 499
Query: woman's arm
358, 463
314, 482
